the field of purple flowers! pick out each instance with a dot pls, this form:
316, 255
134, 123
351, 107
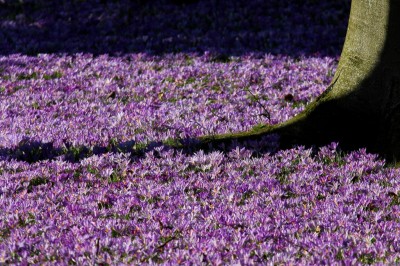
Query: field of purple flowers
84, 110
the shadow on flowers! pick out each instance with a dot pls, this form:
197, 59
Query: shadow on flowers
32, 151
294, 28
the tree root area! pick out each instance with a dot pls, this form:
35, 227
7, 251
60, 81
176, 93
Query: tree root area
320, 124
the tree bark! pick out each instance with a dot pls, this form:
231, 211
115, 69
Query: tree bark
361, 106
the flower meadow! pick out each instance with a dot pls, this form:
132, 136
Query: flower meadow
87, 177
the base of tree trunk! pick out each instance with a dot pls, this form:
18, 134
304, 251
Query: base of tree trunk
352, 116
348, 120
361, 107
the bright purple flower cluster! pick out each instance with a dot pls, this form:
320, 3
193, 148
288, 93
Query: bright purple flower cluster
215, 208
86, 100
241, 206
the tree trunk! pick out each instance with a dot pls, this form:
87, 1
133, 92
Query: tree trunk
361, 106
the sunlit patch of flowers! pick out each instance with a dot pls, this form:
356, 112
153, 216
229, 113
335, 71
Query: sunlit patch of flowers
87, 100
234, 207
242, 205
